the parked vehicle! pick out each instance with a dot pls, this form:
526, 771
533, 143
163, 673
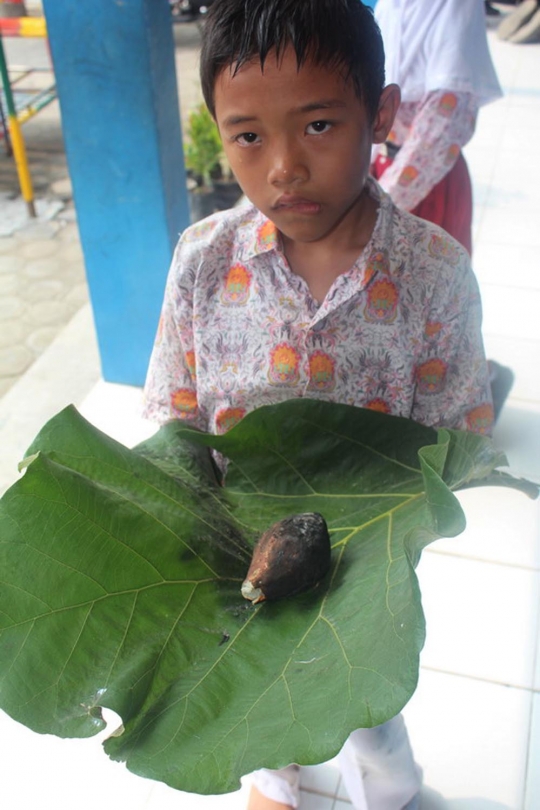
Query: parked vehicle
189, 10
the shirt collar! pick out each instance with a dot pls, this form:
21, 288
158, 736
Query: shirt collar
264, 236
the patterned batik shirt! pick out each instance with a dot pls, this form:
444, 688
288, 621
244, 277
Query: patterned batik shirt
399, 332
431, 134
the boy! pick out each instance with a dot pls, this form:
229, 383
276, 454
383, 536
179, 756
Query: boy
320, 287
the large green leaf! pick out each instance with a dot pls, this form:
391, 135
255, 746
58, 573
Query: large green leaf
121, 573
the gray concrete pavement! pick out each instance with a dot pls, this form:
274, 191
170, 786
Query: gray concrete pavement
42, 280
42, 285
42, 276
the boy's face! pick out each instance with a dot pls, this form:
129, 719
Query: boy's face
299, 143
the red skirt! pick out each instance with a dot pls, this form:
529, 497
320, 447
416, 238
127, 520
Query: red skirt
448, 204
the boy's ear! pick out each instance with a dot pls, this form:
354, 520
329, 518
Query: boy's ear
386, 112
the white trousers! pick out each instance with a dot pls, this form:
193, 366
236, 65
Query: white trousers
377, 767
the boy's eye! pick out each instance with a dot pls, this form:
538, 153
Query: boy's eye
317, 127
246, 138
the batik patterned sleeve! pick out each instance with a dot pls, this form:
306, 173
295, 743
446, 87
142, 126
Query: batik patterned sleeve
444, 122
171, 384
451, 374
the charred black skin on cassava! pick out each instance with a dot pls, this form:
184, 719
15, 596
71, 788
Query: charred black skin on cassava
291, 556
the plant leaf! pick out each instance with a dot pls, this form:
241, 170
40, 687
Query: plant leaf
121, 573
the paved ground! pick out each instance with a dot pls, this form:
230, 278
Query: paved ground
42, 285
42, 276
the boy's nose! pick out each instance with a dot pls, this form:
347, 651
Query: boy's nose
287, 166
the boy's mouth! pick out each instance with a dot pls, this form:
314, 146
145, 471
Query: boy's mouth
299, 205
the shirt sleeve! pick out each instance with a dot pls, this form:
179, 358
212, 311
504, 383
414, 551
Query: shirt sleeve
451, 375
442, 125
170, 390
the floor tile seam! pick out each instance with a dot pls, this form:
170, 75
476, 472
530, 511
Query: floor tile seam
495, 285
473, 558
523, 97
532, 690
480, 275
490, 333
494, 149
511, 339
319, 791
528, 770
524, 401
536, 659
518, 56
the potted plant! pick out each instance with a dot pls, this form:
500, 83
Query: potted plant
210, 186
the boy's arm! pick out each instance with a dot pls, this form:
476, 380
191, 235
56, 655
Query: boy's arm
170, 390
444, 123
451, 377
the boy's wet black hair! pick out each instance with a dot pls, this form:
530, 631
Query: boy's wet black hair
340, 34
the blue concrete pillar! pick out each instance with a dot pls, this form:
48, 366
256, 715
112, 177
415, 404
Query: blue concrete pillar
115, 73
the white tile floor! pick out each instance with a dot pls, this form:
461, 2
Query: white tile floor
475, 718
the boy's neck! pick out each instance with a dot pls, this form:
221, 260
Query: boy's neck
320, 263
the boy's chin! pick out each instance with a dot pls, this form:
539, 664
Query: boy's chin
298, 228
